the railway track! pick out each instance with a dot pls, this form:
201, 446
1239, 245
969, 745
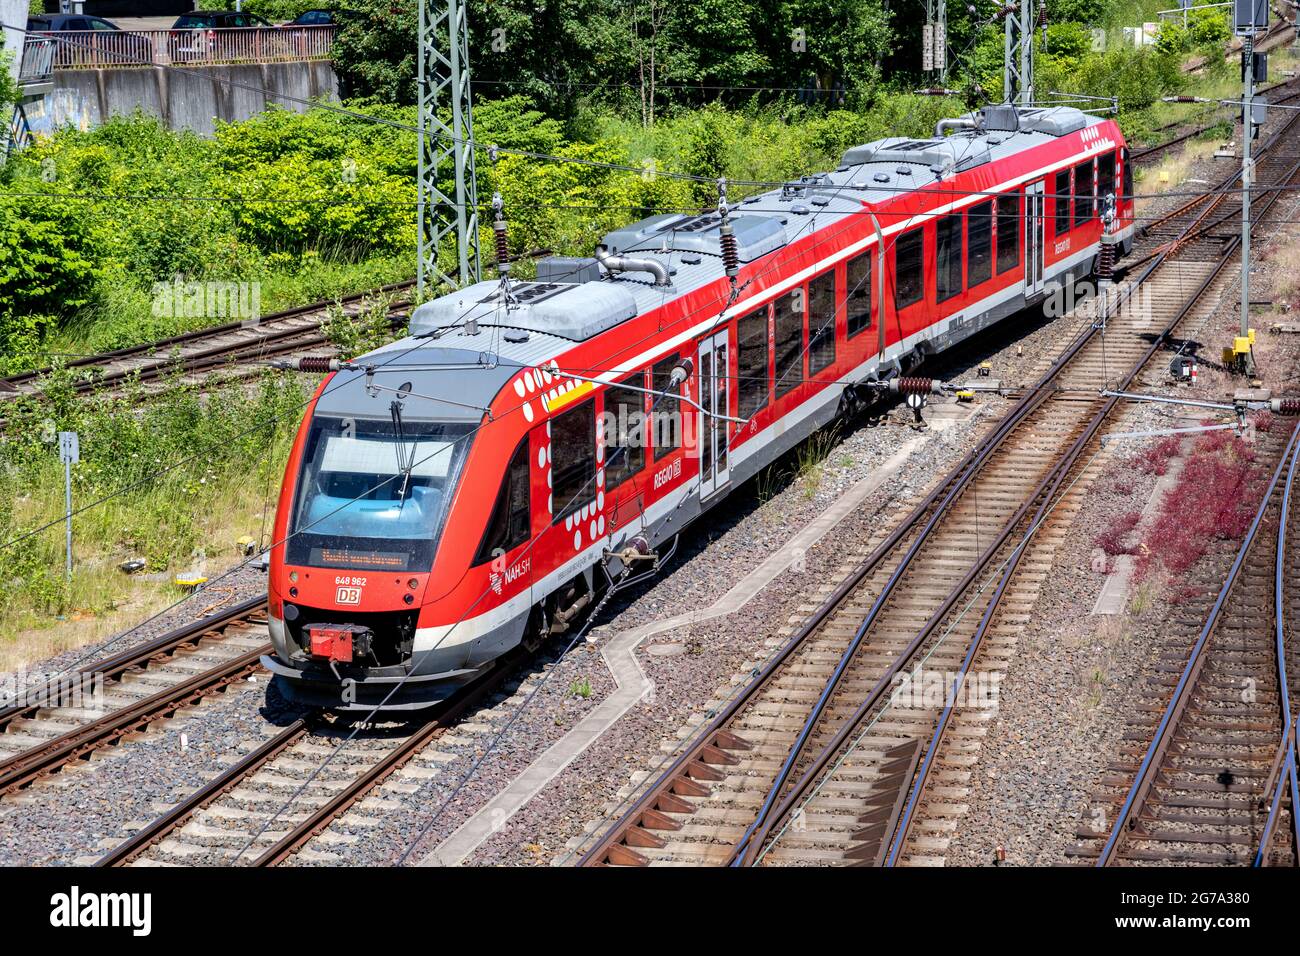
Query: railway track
1204, 772
818, 760
236, 817
234, 349
74, 717
1279, 93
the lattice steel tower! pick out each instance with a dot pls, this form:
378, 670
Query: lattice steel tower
444, 81
1018, 55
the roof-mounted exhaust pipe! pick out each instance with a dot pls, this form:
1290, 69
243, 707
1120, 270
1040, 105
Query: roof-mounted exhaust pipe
613, 263
942, 127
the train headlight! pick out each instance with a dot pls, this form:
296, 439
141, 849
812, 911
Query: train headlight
293, 577
413, 583
408, 598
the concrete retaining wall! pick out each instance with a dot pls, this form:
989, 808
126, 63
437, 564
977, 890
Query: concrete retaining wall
192, 100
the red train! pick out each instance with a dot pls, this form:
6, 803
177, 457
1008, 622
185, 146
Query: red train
477, 484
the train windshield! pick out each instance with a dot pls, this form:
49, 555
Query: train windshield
373, 495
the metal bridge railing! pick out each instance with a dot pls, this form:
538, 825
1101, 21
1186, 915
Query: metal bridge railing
38, 60
132, 49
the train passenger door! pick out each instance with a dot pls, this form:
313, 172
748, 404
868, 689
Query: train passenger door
1034, 238
713, 440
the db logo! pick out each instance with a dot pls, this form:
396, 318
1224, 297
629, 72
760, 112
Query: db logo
348, 596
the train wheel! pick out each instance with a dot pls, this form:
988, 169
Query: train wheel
536, 631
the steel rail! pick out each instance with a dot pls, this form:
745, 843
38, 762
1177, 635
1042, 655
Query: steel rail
1283, 771
133, 658
177, 816
446, 715
1146, 151
22, 769
1127, 818
185, 338
850, 725
708, 738
750, 845
265, 345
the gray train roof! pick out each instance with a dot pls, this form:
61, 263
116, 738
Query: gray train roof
543, 319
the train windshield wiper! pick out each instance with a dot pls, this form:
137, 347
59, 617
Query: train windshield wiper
405, 454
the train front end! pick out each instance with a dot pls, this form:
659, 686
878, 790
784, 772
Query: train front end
363, 515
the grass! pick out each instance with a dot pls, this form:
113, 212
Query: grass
1285, 256
172, 482
124, 316
810, 461
580, 689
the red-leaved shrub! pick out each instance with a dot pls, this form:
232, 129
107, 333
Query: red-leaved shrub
1215, 498
1112, 539
1154, 459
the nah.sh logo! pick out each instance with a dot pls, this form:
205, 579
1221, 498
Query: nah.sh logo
347, 595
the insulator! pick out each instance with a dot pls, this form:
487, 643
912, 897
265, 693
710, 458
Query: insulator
503, 245
1106, 261
730, 254
911, 386
318, 364
1042, 15
1286, 406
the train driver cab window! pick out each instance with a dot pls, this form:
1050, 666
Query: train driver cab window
858, 300
573, 459
979, 243
1062, 190
1083, 181
909, 285
751, 356
790, 311
624, 428
1008, 231
821, 322
947, 258
510, 523
1126, 174
666, 425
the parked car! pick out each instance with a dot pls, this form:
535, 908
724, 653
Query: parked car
98, 41
315, 18
202, 35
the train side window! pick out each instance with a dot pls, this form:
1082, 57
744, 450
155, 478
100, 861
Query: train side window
1126, 173
790, 311
573, 459
624, 428
979, 243
1105, 178
858, 300
1062, 190
751, 357
947, 258
821, 322
909, 285
1008, 231
667, 421
1083, 181
511, 519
